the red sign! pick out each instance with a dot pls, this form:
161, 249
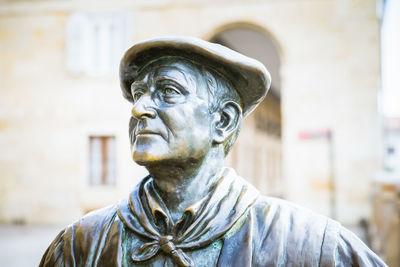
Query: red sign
323, 133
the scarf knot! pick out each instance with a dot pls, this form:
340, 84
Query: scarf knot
166, 245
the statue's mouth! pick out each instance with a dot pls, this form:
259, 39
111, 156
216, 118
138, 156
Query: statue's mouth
146, 132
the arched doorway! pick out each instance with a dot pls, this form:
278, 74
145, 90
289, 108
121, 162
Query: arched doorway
257, 154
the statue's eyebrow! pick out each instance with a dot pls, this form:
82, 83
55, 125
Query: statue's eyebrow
165, 77
186, 83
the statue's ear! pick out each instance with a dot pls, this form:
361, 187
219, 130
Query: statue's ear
229, 119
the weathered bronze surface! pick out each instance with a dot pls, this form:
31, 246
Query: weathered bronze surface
189, 98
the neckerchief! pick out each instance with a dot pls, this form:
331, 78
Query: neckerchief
201, 224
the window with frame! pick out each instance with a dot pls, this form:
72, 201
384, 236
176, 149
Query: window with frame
96, 41
102, 160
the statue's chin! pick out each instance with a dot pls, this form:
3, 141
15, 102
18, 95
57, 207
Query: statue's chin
145, 159
149, 150
155, 151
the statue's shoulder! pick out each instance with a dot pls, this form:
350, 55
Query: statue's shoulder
90, 227
298, 229
97, 218
305, 237
283, 207
287, 209
79, 241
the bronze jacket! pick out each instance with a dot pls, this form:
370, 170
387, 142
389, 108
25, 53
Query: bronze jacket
233, 226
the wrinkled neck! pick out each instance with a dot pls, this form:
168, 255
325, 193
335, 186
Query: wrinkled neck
183, 185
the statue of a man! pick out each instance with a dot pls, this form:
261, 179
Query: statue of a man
189, 98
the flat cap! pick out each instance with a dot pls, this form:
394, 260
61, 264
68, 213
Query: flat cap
248, 76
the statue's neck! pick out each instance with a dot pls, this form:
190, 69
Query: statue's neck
180, 187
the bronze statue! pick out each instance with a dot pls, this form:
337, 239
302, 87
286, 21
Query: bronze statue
189, 97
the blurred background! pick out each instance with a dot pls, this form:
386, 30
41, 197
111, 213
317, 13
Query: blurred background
326, 137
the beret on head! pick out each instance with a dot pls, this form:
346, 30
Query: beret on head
247, 76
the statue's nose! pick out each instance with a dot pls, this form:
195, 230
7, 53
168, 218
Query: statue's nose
143, 108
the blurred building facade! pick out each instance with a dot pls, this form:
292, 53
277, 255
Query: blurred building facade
64, 124
385, 230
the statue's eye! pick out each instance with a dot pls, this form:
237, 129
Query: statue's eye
170, 91
136, 95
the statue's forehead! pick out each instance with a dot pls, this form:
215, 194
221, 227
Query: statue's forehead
176, 71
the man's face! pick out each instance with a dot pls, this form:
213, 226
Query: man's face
173, 124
